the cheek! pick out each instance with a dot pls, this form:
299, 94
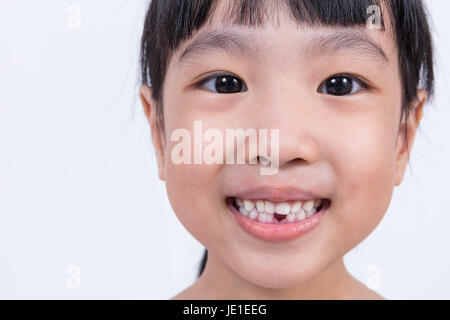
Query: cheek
365, 167
194, 190
192, 193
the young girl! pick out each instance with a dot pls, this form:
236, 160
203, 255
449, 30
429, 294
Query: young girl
343, 83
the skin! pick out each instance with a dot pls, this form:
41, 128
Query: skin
349, 147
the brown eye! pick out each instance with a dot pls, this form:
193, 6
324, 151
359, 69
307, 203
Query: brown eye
341, 86
224, 84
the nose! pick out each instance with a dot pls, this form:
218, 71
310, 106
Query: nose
293, 116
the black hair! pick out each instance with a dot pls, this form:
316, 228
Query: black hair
170, 22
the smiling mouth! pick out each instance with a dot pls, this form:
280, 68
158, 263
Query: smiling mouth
278, 212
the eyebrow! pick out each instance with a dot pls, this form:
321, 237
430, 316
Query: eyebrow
357, 43
221, 41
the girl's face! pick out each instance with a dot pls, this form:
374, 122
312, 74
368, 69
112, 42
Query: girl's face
344, 145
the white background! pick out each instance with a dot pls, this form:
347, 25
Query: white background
82, 212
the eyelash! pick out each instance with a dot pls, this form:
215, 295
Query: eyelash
364, 85
215, 75
353, 77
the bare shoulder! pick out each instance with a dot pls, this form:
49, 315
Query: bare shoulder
362, 292
190, 293
183, 295
372, 295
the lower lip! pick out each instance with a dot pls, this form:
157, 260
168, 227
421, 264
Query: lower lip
278, 232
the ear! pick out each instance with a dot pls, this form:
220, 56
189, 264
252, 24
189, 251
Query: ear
149, 105
411, 129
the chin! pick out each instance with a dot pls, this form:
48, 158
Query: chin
278, 275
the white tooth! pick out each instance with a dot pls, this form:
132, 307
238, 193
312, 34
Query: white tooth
253, 214
269, 207
317, 203
239, 202
243, 211
260, 205
308, 205
283, 208
301, 214
262, 217
310, 212
297, 205
291, 217
249, 205
269, 218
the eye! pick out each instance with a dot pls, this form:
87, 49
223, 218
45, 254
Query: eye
342, 85
223, 83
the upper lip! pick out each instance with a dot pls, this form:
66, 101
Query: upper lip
277, 193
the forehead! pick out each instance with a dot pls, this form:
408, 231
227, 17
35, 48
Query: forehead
226, 31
